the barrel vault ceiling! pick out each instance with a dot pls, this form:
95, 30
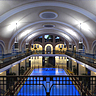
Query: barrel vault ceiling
23, 20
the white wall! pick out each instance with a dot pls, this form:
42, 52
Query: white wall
15, 69
23, 63
93, 73
36, 61
81, 69
74, 63
60, 61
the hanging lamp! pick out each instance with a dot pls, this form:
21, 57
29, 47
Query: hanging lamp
70, 45
27, 45
16, 41
32, 44
80, 41
64, 45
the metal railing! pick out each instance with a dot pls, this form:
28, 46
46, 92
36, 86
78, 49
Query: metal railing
47, 85
10, 58
13, 58
89, 59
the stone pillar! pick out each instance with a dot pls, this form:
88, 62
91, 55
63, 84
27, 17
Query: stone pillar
77, 69
15, 69
43, 61
53, 61
53, 39
70, 64
26, 63
19, 69
23, 63
88, 72
29, 62
81, 69
43, 49
67, 63
53, 49
74, 67
43, 39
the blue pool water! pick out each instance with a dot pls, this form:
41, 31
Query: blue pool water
38, 86
48, 72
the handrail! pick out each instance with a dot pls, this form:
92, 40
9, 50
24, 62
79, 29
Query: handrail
83, 57
74, 79
78, 83
5, 56
9, 60
88, 60
27, 72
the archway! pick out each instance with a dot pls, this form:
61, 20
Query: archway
48, 49
60, 47
37, 48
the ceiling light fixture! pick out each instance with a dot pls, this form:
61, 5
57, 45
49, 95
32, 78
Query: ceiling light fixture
48, 14
64, 44
80, 41
48, 25
70, 45
16, 41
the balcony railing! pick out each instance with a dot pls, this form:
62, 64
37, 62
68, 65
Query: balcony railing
47, 85
87, 58
6, 59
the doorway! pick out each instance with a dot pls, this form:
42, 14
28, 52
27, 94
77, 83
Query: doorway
48, 50
49, 61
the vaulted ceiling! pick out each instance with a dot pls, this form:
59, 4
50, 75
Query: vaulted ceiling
23, 20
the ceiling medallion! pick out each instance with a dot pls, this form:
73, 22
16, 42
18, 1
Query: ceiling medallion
48, 25
48, 14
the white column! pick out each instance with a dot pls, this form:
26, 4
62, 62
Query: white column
82, 69
15, 69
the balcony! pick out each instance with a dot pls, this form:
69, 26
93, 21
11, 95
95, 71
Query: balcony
7, 59
48, 85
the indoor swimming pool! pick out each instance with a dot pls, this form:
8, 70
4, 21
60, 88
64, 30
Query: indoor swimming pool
48, 81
